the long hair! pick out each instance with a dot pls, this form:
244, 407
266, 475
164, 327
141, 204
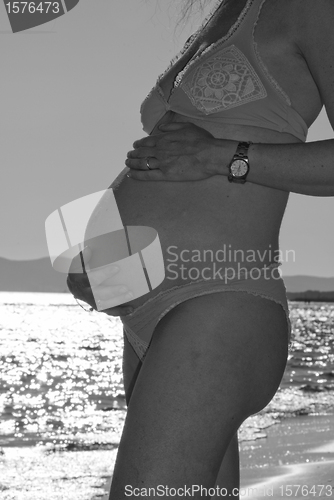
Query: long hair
191, 9
188, 7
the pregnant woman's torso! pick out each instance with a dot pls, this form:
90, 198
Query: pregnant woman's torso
215, 214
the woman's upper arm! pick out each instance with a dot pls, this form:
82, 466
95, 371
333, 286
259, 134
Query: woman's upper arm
315, 38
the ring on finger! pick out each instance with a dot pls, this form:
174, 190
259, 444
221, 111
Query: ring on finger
148, 162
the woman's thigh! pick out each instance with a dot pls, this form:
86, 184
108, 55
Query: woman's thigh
229, 474
213, 361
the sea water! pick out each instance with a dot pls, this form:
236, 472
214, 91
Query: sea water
61, 375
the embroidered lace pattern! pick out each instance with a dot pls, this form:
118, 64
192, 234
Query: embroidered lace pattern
179, 77
224, 81
184, 49
264, 68
220, 83
212, 46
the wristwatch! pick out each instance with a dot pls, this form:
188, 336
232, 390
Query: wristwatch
239, 166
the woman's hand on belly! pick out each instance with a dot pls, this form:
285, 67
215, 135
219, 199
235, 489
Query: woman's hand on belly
80, 286
182, 152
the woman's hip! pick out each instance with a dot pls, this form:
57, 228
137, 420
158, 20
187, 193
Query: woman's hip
264, 282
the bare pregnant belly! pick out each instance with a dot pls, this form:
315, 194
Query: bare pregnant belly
200, 223
226, 220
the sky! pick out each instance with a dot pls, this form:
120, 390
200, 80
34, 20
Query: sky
71, 91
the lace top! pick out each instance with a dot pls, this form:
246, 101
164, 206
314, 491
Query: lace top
227, 83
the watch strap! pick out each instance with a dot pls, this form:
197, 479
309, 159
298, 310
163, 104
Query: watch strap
240, 154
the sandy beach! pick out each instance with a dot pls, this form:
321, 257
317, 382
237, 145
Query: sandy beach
295, 460
35, 474
62, 406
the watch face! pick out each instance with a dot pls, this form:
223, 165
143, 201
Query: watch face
239, 168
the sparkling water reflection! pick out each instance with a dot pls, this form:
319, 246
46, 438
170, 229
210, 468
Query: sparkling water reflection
61, 371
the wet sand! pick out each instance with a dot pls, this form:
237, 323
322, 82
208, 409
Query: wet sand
295, 460
31, 473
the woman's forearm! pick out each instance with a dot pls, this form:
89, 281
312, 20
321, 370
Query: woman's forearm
301, 168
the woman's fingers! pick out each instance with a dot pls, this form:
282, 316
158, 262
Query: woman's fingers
104, 298
94, 277
90, 289
98, 276
148, 141
105, 293
108, 297
113, 302
140, 153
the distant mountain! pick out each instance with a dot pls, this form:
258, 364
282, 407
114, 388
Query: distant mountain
304, 283
39, 276
311, 296
30, 276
